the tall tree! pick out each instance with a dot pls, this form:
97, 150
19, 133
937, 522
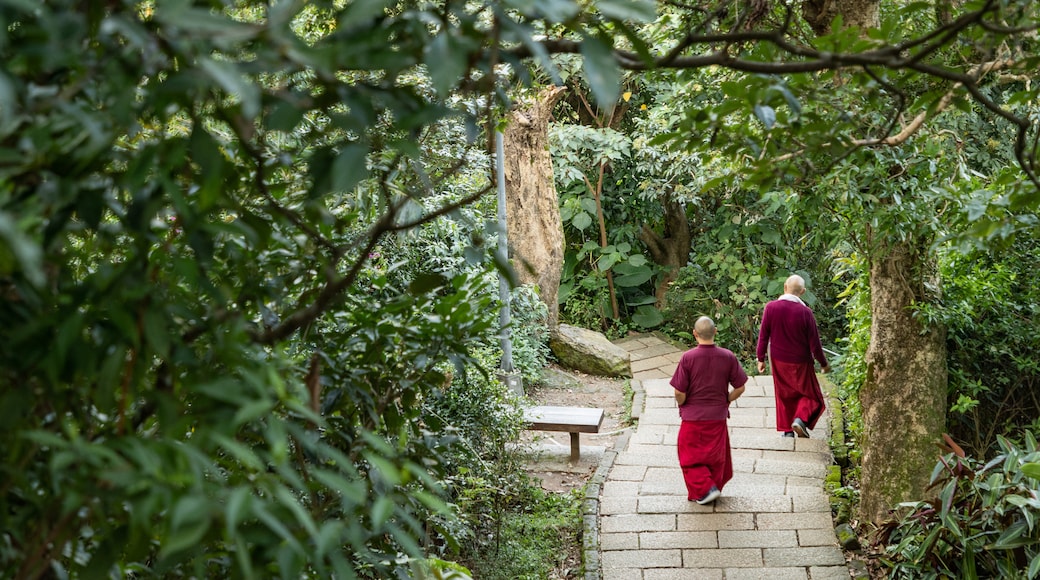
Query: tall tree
532, 207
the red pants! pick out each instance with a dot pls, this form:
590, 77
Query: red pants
798, 394
704, 456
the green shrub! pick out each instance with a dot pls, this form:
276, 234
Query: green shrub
990, 307
983, 522
530, 534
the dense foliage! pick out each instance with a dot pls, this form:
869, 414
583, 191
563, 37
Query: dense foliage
249, 320
982, 521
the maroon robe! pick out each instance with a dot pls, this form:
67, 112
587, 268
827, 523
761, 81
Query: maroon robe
704, 456
792, 340
705, 374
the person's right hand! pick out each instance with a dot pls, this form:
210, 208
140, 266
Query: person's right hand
761, 366
826, 369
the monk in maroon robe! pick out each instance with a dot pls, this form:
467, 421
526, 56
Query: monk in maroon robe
791, 339
701, 382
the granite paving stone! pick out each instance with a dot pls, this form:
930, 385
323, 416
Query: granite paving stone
666, 540
809, 556
637, 523
723, 558
619, 541
642, 559
758, 539
766, 574
681, 574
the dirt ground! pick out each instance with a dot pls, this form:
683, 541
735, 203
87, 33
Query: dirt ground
549, 458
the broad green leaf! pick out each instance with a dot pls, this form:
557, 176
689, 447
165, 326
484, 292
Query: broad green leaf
1031, 470
601, 70
362, 11
647, 317
446, 61
766, 114
27, 253
1034, 566
382, 509
349, 168
581, 221
632, 280
638, 10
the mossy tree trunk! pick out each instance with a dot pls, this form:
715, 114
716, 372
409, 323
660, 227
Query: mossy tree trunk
904, 396
535, 229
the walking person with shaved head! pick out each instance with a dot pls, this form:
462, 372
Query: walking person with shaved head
791, 340
702, 383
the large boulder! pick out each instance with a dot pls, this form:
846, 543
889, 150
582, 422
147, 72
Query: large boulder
590, 352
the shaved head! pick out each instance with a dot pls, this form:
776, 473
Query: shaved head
794, 285
705, 328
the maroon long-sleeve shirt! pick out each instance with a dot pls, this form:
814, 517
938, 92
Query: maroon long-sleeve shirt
789, 332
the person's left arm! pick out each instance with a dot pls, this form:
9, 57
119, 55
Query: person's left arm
815, 345
680, 397
738, 378
736, 393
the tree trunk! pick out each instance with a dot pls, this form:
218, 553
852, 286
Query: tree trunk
855, 13
670, 250
535, 229
904, 396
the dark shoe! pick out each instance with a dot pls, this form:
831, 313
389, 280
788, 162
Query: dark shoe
713, 494
788, 433
799, 427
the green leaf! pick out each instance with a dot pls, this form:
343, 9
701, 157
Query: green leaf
156, 332
229, 78
638, 10
362, 11
1031, 470
188, 524
581, 221
601, 71
349, 168
26, 252
447, 62
284, 116
382, 509
647, 317
766, 114
1034, 566
634, 279
238, 504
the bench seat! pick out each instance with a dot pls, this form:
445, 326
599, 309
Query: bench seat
573, 420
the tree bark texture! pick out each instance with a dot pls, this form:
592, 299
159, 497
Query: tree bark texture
670, 249
904, 395
856, 13
535, 229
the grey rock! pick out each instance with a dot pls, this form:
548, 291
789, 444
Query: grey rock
590, 352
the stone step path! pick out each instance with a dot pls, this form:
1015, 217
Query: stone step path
772, 522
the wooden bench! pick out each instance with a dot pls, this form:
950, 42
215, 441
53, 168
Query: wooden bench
573, 420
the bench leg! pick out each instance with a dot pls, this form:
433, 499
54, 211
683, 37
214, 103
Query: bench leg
575, 448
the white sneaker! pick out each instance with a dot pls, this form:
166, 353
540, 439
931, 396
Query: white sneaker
713, 494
